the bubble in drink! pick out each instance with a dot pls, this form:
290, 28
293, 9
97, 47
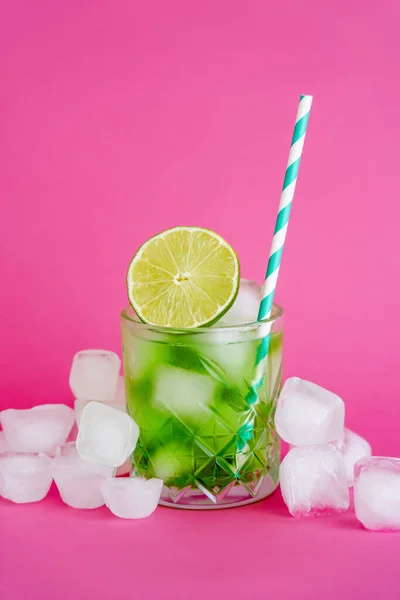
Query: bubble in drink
353, 447
78, 481
313, 481
183, 393
94, 375
39, 429
106, 435
377, 493
24, 477
307, 414
132, 497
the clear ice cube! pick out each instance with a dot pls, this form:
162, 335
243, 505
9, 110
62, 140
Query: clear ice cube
78, 481
132, 497
377, 493
39, 429
353, 447
94, 375
24, 477
79, 405
307, 414
183, 393
228, 362
106, 435
313, 481
171, 461
245, 307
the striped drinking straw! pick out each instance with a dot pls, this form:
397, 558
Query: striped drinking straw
275, 256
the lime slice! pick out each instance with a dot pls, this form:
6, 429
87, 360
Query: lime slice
184, 277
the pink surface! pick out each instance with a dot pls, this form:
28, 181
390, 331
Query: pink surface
119, 119
257, 551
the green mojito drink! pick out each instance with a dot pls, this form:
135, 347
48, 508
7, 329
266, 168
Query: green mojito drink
188, 390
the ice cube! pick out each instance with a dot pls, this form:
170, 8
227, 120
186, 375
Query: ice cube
172, 460
39, 429
184, 393
246, 306
132, 497
353, 447
94, 375
377, 493
24, 477
307, 414
231, 356
228, 362
313, 481
78, 480
106, 435
4, 447
79, 405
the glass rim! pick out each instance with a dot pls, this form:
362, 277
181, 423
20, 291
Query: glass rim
276, 314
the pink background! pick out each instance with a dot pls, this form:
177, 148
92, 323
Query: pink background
121, 118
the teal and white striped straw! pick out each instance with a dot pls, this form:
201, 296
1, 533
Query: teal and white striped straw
281, 225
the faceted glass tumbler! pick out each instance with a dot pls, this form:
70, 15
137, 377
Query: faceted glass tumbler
202, 430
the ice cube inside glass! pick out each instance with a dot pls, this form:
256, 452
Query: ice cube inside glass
188, 391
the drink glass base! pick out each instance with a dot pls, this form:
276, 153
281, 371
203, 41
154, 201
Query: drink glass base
194, 499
